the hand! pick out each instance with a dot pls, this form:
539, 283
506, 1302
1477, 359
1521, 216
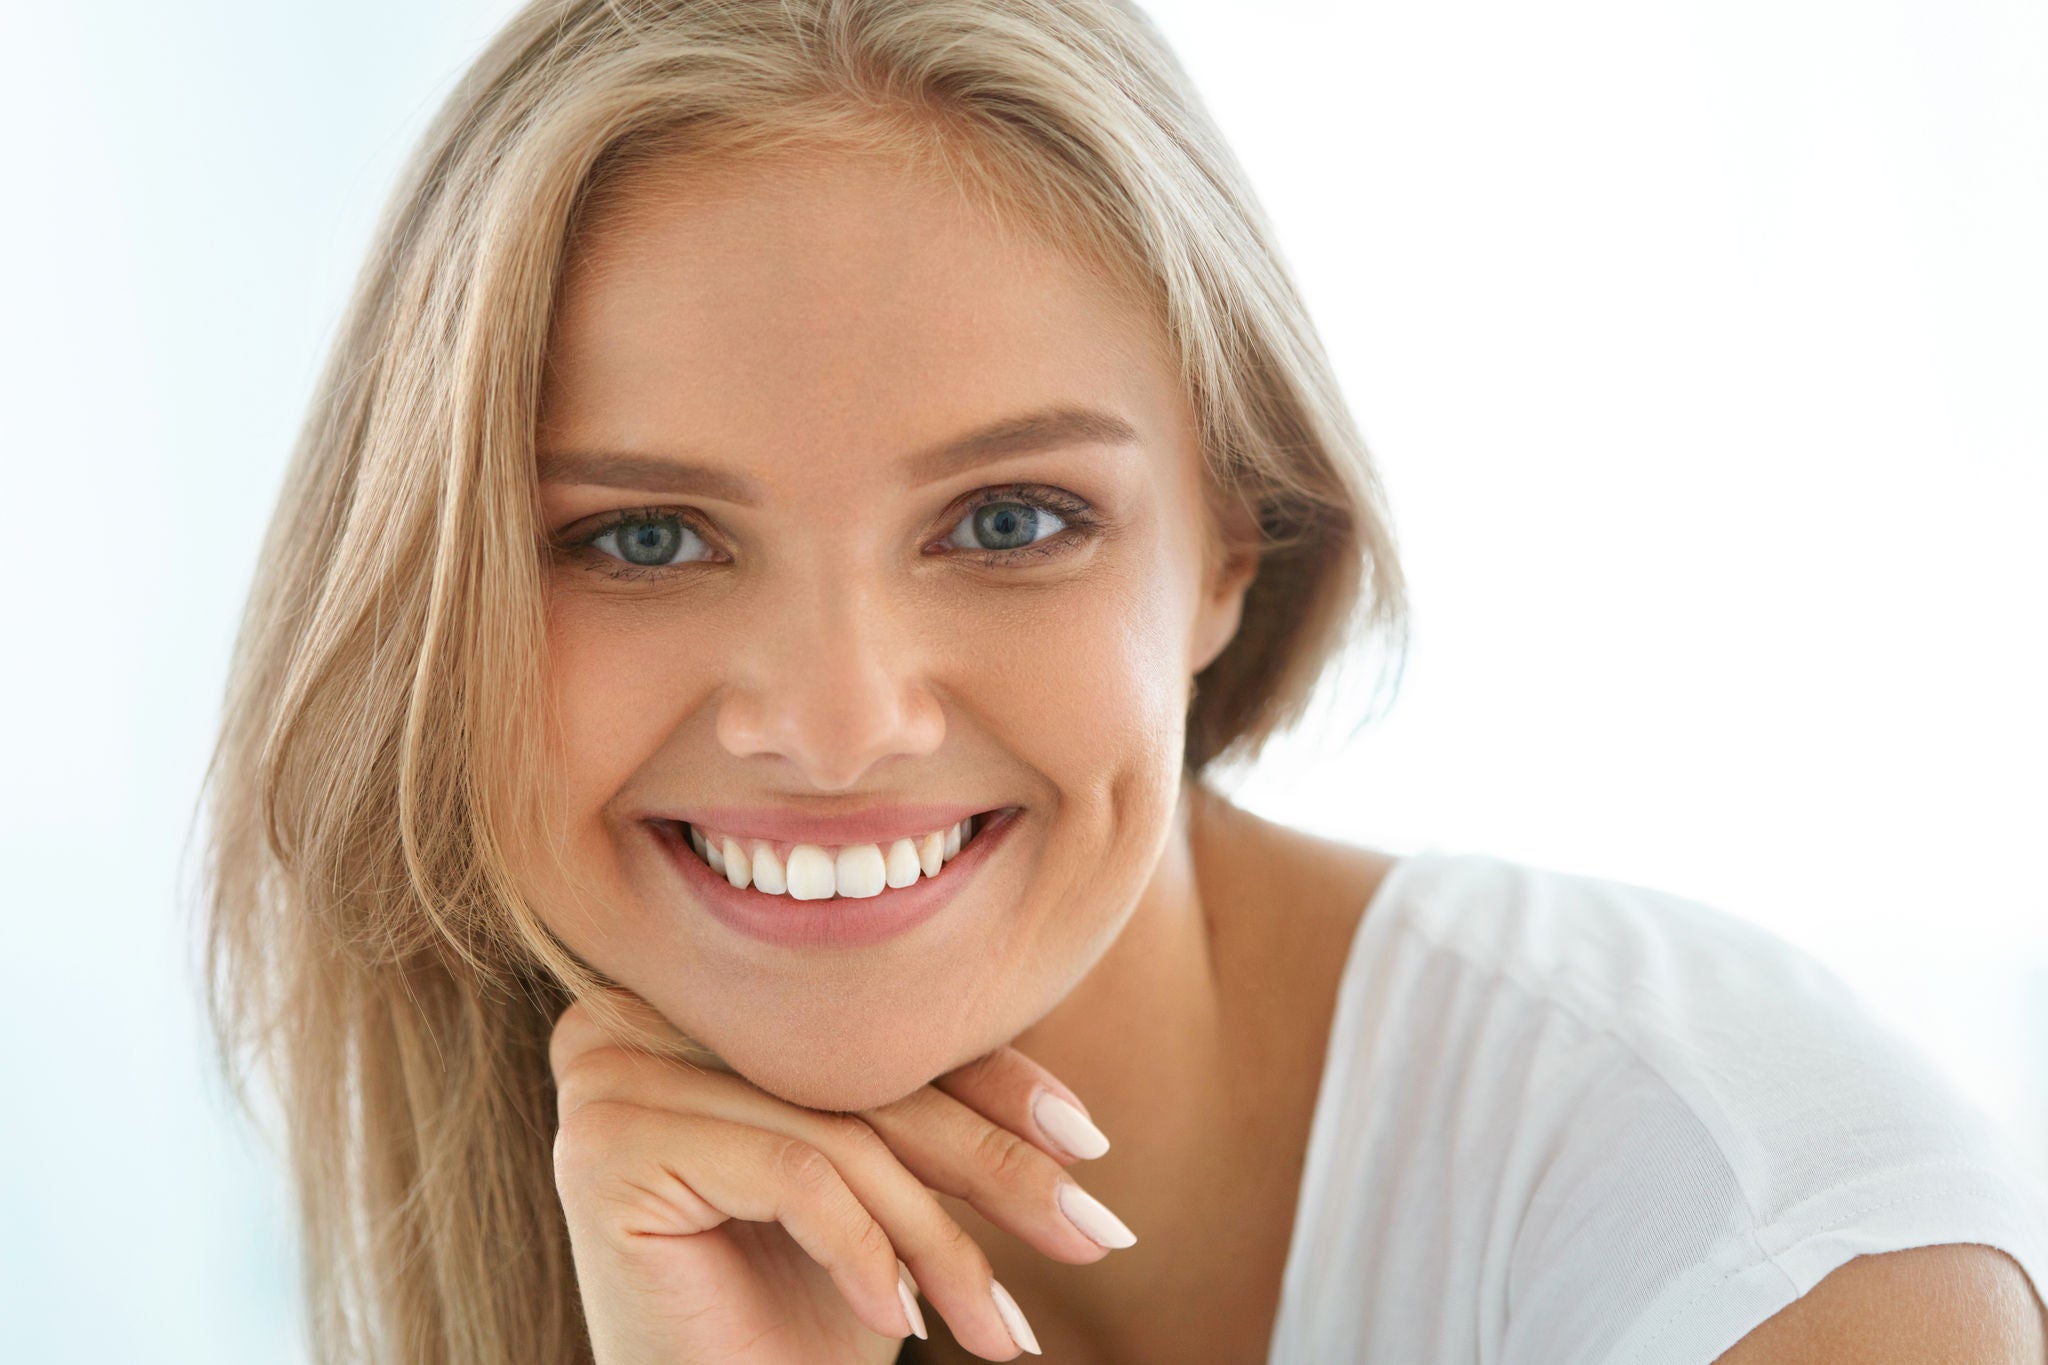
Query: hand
713, 1222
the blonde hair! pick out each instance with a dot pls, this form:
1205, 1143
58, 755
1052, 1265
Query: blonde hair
367, 947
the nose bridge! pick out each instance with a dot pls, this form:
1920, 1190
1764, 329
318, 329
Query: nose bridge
831, 677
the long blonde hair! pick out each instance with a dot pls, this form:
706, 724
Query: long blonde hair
367, 948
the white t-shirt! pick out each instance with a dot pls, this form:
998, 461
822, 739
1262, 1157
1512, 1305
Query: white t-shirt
1566, 1120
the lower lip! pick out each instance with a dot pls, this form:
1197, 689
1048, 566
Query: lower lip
840, 921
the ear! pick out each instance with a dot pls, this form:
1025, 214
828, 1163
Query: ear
1230, 574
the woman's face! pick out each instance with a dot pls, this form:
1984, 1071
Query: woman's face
813, 610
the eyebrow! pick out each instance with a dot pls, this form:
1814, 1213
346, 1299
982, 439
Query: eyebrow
1048, 429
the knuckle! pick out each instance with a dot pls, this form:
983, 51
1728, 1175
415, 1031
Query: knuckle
571, 1028
573, 1014
952, 1243
980, 1072
1002, 1157
952, 1239
592, 1076
609, 1067
584, 1141
853, 1135
870, 1241
802, 1167
571, 1095
922, 1110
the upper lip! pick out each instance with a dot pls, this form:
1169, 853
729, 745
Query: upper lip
874, 825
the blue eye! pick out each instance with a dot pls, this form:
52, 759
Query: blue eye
1005, 525
646, 541
1005, 528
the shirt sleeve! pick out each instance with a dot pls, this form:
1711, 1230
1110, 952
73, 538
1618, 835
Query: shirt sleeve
1723, 1174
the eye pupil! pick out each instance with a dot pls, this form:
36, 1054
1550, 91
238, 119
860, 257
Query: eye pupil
1010, 523
649, 542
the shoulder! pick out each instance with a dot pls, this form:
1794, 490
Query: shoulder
1688, 1127
1732, 1019
1922, 1306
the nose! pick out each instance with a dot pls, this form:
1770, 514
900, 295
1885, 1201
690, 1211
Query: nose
832, 678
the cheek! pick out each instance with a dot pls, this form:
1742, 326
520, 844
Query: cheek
1080, 679
1084, 684
620, 684
1087, 677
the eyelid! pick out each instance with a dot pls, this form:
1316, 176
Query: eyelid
1075, 510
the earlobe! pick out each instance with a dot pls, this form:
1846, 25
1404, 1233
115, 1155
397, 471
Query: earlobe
1223, 620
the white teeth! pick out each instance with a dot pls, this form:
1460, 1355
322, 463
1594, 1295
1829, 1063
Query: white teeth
738, 867
903, 863
810, 873
861, 871
768, 869
815, 872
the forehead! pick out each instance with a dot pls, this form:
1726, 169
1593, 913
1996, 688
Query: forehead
831, 300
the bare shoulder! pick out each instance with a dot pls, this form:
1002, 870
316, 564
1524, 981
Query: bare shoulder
1929, 1304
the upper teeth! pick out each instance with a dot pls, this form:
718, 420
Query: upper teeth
813, 872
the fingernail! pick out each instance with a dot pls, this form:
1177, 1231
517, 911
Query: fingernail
1092, 1216
1013, 1318
909, 1297
1068, 1126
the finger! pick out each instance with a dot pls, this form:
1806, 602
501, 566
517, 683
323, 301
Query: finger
574, 1033
947, 1266
617, 1017
590, 1065
1010, 1182
670, 1175
1014, 1092
950, 1269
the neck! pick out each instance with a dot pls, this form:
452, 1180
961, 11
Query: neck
1152, 1043
1139, 1038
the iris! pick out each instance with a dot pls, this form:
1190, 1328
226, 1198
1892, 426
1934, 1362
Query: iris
1011, 524
649, 542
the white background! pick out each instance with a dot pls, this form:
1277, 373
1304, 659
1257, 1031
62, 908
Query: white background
1701, 346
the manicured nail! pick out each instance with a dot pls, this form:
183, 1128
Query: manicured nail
1089, 1214
909, 1297
1013, 1318
1068, 1126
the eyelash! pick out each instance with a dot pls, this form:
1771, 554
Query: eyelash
1078, 516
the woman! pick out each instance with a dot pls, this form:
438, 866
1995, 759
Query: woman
710, 833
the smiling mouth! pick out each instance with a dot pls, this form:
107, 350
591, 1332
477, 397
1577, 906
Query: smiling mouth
811, 872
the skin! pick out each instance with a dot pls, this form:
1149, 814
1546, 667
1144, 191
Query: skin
810, 323
1915, 1307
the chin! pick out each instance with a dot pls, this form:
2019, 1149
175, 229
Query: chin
843, 1074
841, 1092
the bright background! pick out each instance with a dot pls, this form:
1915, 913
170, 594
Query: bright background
1701, 345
